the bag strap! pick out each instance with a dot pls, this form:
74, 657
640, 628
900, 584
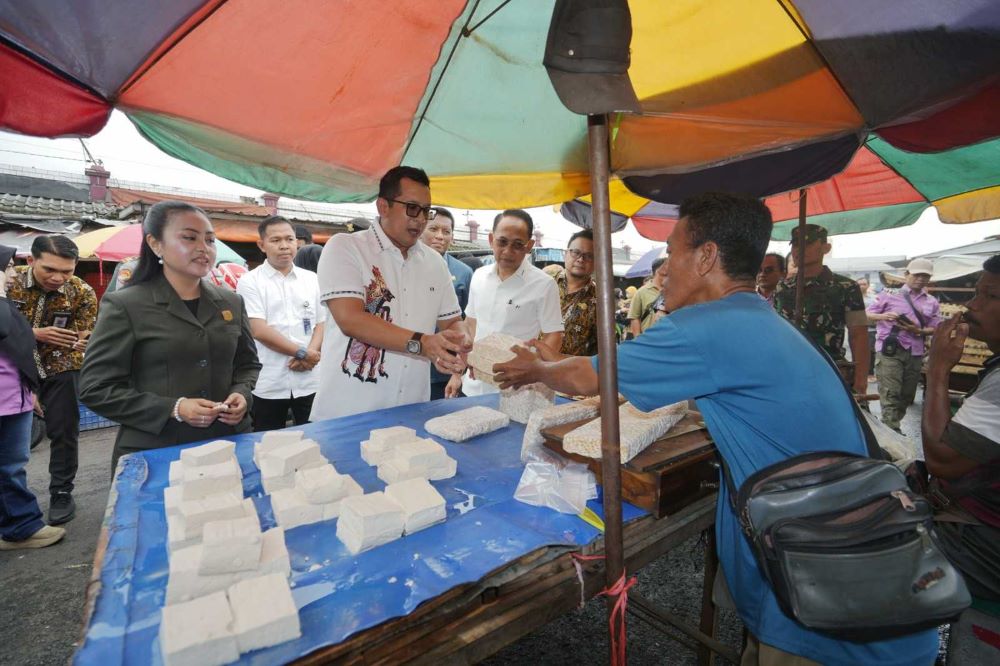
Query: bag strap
913, 307
871, 442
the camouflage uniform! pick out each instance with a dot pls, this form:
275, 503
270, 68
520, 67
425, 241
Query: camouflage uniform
830, 303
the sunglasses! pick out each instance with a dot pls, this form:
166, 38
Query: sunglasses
414, 209
503, 244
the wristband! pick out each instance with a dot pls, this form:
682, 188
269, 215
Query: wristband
176, 412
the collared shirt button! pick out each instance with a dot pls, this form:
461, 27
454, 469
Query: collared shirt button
203, 363
203, 393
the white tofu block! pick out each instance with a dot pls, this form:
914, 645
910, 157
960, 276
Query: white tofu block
172, 498
198, 633
274, 440
264, 613
419, 453
185, 582
368, 521
212, 453
201, 482
381, 442
230, 545
290, 458
422, 505
196, 513
577, 410
321, 485
291, 508
467, 423
272, 477
638, 430
177, 538
491, 349
393, 471
351, 488
520, 403
176, 473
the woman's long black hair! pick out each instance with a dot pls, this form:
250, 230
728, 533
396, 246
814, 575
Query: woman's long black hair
156, 221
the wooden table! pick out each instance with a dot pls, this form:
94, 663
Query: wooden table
471, 622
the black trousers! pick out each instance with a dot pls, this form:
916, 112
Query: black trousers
60, 401
271, 414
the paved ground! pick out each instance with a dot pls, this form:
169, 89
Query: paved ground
42, 592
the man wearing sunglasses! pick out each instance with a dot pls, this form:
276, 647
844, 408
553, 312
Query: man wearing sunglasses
510, 296
772, 271
387, 293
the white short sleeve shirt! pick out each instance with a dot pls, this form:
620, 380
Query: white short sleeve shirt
413, 293
524, 305
290, 304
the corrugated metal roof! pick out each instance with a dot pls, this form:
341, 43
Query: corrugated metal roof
20, 204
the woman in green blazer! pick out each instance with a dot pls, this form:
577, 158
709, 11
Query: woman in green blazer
171, 358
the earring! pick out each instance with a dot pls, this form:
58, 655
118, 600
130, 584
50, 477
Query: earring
160, 260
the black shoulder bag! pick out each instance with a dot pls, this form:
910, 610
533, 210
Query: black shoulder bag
847, 548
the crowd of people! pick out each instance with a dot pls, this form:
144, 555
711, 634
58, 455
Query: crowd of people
386, 316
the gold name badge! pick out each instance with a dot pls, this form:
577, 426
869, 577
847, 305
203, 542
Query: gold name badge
227, 315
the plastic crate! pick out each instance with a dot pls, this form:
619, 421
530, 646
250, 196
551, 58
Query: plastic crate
91, 421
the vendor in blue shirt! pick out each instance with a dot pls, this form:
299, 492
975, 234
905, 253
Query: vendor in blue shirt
765, 394
439, 233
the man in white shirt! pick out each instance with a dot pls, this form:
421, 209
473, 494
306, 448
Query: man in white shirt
510, 296
387, 293
287, 321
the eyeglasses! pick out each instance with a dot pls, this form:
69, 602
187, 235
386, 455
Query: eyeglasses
577, 254
414, 209
518, 245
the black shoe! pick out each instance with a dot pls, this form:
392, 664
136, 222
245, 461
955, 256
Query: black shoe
62, 508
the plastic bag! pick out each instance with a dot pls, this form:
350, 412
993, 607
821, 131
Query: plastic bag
557, 484
900, 447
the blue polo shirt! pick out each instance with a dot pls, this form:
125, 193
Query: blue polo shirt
765, 395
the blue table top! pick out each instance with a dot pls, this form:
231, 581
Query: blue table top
337, 594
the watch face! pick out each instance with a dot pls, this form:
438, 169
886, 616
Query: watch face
413, 346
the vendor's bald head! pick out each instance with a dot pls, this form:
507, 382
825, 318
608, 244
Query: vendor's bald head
716, 248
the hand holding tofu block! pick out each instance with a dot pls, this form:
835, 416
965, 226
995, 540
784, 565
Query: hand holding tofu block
488, 351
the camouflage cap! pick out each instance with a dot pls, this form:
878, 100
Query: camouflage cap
813, 232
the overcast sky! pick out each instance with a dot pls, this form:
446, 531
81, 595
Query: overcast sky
130, 157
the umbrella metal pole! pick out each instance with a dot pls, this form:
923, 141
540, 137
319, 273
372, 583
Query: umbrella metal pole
800, 258
597, 135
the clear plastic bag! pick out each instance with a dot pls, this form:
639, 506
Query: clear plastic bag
556, 484
900, 447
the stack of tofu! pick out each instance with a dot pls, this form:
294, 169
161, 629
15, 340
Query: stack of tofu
227, 590
400, 455
218, 627
304, 487
371, 520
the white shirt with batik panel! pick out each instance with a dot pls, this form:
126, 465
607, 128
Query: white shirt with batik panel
290, 305
524, 305
413, 293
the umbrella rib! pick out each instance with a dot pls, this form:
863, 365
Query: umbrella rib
454, 47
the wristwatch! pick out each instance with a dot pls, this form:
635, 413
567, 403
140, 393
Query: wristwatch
413, 344
300, 353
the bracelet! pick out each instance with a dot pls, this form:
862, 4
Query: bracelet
177, 407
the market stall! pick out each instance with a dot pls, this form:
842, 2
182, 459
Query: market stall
494, 570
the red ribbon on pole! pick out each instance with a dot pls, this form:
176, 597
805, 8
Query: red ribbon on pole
616, 621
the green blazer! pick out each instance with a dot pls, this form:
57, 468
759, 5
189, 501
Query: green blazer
148, 350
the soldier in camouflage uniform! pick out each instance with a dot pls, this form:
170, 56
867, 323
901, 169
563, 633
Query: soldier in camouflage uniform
831, 303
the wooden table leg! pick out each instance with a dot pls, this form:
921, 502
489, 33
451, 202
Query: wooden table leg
709, 612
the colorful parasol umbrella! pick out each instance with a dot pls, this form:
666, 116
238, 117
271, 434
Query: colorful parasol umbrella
760, 96
644, 265
118, 243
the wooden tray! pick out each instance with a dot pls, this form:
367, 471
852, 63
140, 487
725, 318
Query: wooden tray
674, 471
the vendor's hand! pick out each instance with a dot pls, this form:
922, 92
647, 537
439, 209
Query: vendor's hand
454, 387
55, 336
198, 412
37, 408
235, 408
545, 352
949, 344
521, 370
81, 344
